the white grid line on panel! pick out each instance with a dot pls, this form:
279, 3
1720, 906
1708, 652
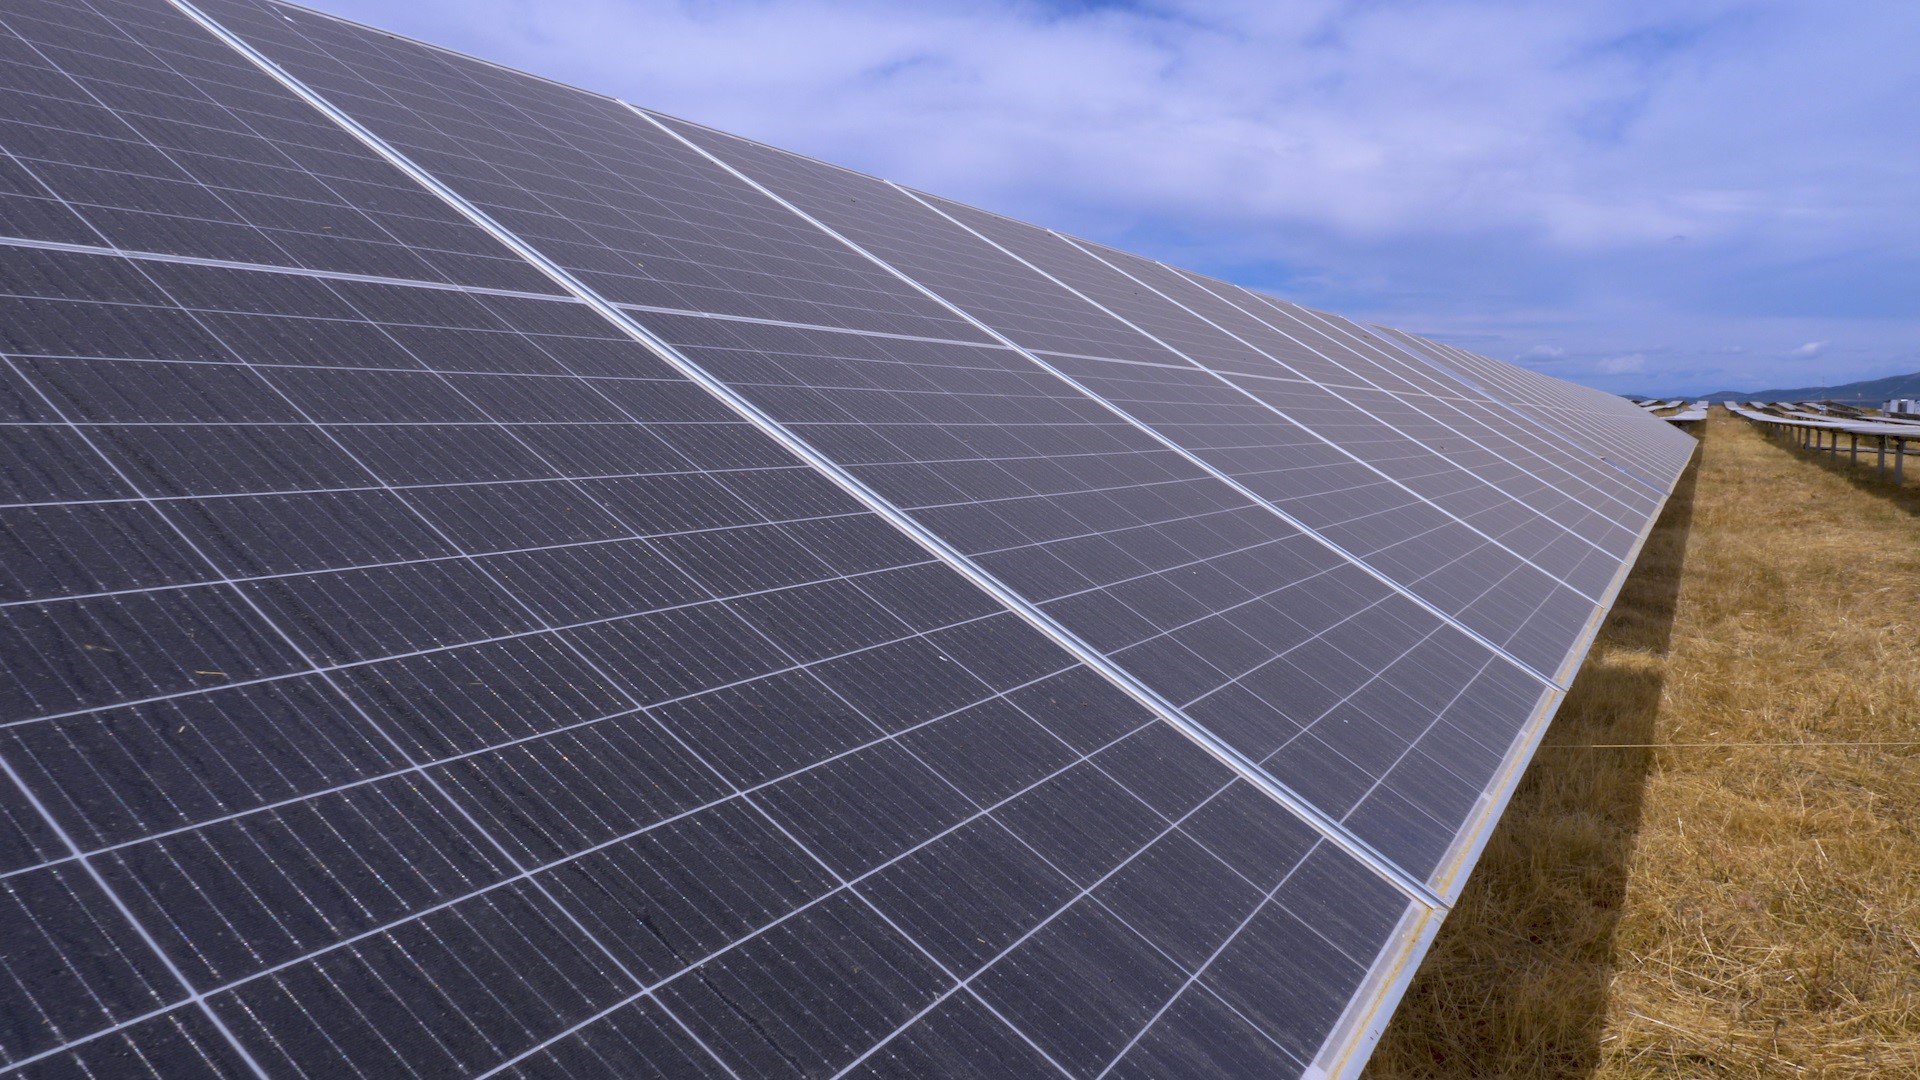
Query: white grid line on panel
434, 650
1331, 386
487, 553
721, 316
1268, 304
1492, 398
1279, 365
272, 268
1176, 627
980, 501
365, 488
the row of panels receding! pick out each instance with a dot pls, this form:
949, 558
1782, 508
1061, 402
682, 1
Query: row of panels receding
501, 581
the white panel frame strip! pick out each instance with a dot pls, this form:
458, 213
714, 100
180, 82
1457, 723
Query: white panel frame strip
272, 268
1328, 828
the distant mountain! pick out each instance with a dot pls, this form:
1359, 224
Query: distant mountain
1867, 391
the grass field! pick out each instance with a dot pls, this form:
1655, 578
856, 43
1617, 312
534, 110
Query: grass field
1743, 899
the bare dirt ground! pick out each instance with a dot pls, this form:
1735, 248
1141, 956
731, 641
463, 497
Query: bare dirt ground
1712, 868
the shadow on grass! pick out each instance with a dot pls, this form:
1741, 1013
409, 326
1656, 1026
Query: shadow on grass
1863, 472
1516, 982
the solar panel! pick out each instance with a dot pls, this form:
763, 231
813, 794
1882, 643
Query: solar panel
492, 589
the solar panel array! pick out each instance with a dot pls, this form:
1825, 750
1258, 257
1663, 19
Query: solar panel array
498, 581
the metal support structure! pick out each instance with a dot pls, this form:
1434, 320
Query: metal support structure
1883, 455
1853, 448
1899, 459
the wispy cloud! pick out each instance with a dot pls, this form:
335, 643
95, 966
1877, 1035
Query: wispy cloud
1599, 179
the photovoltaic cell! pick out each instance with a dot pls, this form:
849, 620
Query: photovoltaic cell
410, 671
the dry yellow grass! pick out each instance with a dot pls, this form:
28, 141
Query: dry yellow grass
1716, 910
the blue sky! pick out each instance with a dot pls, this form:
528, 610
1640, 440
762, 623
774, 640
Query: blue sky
1664, 196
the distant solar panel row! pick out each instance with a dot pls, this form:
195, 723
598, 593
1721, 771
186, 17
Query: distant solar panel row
501, 582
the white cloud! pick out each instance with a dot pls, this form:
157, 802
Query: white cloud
1811, 349
1630, 364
